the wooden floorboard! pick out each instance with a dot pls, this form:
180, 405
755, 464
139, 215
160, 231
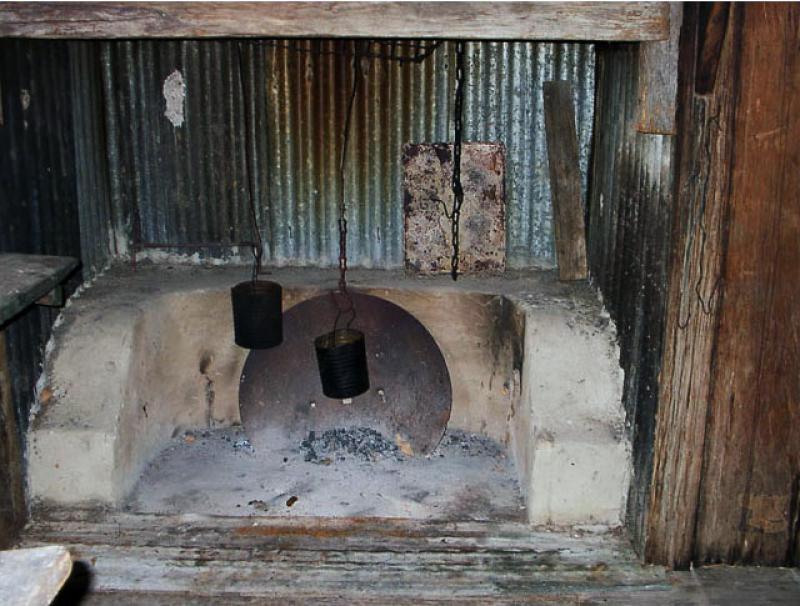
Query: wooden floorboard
350, 559
125, 559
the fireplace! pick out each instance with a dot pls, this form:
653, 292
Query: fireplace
140, 406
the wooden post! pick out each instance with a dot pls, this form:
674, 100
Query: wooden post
658, 79
565, 181
23, 280
726, 479
12, 495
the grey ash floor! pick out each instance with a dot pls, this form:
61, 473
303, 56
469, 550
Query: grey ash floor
469, 477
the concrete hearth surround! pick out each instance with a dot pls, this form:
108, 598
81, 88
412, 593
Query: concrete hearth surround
142, 356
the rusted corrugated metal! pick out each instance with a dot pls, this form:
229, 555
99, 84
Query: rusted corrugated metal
189, 182
92, 150
628, 246
505, 103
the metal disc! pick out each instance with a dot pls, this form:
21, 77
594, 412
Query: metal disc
409, 400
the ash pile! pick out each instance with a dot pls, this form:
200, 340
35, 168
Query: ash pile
457, 442
360, 443
368, 445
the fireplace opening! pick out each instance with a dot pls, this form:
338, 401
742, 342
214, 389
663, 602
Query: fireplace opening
386, 453
409, 399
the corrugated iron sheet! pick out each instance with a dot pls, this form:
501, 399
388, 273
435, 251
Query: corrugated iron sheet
628, 246
190, 182
93, 150
92, 192
38, 201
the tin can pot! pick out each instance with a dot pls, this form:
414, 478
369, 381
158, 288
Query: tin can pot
342, 361
257, 314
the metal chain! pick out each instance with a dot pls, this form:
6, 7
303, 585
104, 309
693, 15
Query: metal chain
258, 245
342, 166
348, 307
455, 183
419, 50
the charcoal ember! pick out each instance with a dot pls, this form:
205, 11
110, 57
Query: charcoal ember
258, 504
361, 443
241, 444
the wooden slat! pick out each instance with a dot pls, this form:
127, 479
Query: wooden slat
732, 586
189, 559
347, 575
347, 558
90, 527
26, 278
658, 79
612, 21
565, 181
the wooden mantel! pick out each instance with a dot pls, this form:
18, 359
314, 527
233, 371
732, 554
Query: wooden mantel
601, 21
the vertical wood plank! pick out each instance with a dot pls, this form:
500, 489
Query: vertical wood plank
752, 459
565, 180
699, 231
727, 471
658, 79
12, 496
628, 244
712, 24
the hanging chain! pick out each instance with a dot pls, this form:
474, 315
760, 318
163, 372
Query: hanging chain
342, 175
258, 245
348, 308
455, 183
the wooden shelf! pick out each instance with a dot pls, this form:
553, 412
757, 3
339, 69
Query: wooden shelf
24, 279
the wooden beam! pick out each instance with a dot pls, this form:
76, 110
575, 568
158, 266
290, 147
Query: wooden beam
658, 79
565, 181
611, 21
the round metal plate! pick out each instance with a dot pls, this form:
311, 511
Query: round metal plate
280, 393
